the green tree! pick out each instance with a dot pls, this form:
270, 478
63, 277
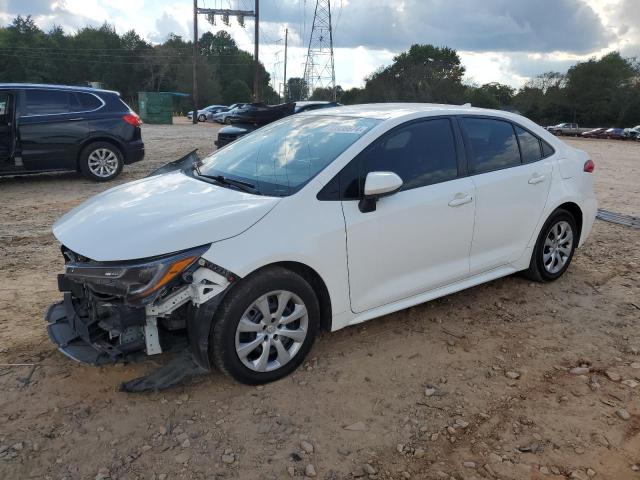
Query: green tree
236, 92
296, 89
424, 73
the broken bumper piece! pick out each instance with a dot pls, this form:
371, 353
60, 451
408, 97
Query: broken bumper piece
83, 340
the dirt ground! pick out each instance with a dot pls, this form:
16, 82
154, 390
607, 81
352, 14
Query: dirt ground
508, 380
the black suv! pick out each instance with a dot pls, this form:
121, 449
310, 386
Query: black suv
51, 127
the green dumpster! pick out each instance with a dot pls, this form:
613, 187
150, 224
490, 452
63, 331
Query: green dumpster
156, 107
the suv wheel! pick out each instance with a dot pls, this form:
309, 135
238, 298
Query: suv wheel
554, 248
101, 161
265, 326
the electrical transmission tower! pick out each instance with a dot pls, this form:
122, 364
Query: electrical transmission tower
319, 71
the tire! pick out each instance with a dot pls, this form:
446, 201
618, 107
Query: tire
202, 118
551, 259
101, 161
240, 350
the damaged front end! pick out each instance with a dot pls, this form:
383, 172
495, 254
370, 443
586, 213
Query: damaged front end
120, 311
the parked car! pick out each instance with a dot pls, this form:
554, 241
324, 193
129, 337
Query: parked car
228, 134
632, 133
326, 219
306, 106
222, 115
260, 113
595, 133
571, 129
205, 112
614, 133
231, 133
52, 127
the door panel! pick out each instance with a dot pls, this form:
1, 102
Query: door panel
51, 141
509, 205
6, 129
413, 242
51, 128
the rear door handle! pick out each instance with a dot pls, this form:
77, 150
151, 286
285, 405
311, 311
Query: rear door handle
460, 199
76, 119
537, 179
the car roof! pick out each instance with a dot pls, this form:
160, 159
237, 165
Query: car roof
312, 102
54, 87
387, 111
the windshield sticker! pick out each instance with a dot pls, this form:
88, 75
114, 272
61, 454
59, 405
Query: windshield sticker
351, 129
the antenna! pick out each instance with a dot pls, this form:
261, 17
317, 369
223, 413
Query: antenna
319, 71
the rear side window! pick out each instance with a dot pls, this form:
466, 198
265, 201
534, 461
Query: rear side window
46, 102
493, 144
529, 146
547, 150
88, 101
420, 153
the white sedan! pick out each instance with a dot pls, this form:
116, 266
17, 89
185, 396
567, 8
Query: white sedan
318, 221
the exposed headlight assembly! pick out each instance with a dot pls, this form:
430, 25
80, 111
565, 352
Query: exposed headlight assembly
138, 282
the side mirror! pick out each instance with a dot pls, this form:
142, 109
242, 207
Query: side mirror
378, 185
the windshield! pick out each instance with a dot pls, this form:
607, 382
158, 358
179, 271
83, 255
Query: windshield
280, 158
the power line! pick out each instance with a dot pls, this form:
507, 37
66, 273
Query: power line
115, 62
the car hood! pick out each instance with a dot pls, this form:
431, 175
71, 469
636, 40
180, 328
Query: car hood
158, 215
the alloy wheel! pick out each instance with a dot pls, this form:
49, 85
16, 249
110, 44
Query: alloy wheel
103, 163
558, 246
271, 331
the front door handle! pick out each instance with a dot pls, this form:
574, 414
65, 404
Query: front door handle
536, 179
460, 199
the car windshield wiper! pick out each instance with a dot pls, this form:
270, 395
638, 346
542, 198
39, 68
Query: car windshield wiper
245, 186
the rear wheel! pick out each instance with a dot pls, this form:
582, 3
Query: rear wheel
265, 326
101, 161
554, 248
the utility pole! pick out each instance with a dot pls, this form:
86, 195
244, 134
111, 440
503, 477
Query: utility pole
195, 62
319, 70
226, 13
286, 41
256, 76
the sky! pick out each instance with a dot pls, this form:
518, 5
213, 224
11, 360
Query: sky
507, 41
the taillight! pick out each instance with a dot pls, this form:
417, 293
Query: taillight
589, 166
132, 119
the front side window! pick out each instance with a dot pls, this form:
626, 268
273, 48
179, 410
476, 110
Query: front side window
46, 102
280, 158
420, 153
493, 144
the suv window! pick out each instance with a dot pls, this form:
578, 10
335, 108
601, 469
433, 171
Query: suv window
87, 101
46, 102
493, 144
52, 102
421, 153
529, 146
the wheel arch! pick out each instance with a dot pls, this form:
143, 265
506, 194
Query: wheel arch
101, 138
317, 284
575, 210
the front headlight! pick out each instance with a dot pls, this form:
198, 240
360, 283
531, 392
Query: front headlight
137, 282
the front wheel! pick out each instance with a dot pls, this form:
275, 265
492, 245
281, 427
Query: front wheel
554, 248
265, 326
101, 161
202, 118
